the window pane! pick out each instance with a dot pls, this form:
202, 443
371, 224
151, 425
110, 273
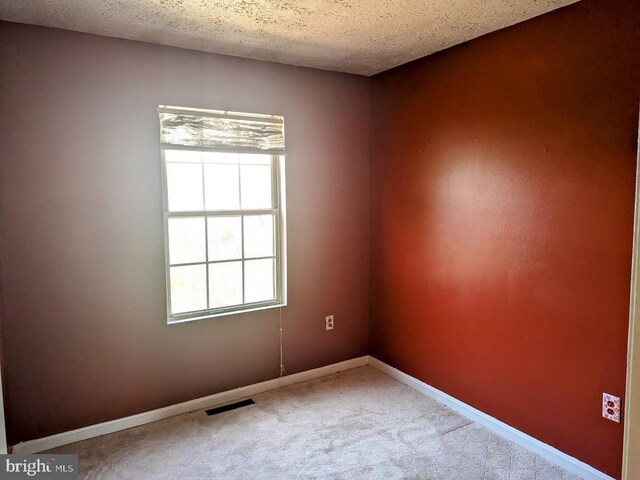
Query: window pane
258, 159
182, 156
186, 240
184, 182
214, 157
256, 186
225, 284
258, 280
188, 288
225, 238
221, 187
258, 236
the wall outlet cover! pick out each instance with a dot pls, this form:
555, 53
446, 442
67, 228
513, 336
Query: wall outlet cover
329, 322
611, 407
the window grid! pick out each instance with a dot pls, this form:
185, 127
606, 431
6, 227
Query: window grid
242, 224
274, 212
206, 234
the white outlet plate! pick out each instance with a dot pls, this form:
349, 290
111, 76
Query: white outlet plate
329, 322
611, 407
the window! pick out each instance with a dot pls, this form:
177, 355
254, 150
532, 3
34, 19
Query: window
223, 189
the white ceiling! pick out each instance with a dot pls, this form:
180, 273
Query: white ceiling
354, 36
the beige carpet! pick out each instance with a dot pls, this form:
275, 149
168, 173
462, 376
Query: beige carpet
359, 424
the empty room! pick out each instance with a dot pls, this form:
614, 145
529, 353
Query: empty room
319, 239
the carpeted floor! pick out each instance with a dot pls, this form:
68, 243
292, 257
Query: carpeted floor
359, 424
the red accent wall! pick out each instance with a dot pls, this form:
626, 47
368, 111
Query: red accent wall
502, 217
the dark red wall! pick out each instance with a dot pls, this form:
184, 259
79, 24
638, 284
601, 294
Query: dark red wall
82, 255
502, 215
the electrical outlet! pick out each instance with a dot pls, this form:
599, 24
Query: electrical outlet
329, 322
611, 407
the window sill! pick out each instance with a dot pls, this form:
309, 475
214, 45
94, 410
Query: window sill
225, 314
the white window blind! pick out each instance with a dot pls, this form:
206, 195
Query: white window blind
222, 130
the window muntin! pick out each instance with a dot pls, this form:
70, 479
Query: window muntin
223, 230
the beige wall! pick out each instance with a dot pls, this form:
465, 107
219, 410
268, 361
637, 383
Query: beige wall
82, 254
631, 463
632, 421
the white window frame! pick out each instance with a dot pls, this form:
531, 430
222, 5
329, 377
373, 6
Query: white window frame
280, 259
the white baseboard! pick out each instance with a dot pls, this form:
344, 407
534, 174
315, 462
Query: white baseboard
222, 398
552, 455
547, 452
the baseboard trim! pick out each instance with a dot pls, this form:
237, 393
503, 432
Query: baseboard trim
217, 399
549, 453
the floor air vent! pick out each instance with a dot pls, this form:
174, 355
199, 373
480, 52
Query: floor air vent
231, 406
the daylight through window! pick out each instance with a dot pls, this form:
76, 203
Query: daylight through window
223, 203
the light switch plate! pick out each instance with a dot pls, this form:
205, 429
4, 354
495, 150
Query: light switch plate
611, 407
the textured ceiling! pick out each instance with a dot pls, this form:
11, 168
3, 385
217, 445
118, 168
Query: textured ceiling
355, 36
